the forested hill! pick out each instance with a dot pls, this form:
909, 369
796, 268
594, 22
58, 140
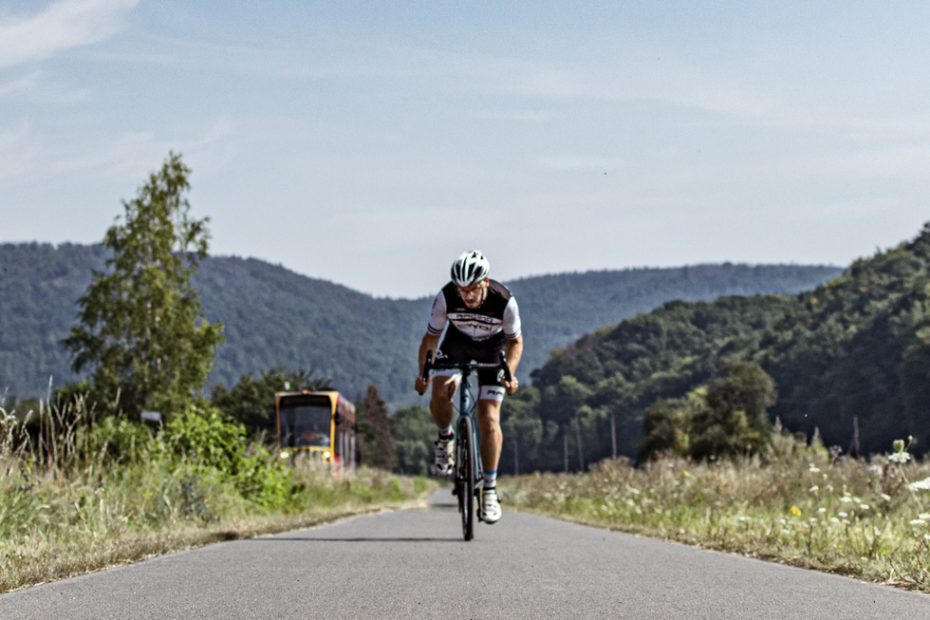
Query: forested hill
275, 317
850, 358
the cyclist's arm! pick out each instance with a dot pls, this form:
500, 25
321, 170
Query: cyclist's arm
513, 350
429, 343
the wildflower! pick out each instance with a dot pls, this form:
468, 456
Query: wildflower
813, 469
814, 489
846, 499
918, 522
843, 514
795, 511
821, 510
924, 515
920, 485
899, 457
284, 454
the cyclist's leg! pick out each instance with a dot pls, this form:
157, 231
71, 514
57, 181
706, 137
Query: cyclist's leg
441, 408
489, 424
491, 442
440, 403
490, 397
444, 385
445, 382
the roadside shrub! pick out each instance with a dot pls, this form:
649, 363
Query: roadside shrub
202, 436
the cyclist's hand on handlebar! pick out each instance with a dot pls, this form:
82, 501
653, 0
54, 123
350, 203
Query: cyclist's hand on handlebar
511, 386
421, 385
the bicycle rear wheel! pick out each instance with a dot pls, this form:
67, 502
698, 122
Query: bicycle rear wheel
465, 477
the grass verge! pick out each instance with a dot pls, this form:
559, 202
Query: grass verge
56, 550
77, 496
800, 506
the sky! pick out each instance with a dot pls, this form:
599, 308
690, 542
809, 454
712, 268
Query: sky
369, 143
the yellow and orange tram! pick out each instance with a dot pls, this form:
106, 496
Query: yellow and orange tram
319, 424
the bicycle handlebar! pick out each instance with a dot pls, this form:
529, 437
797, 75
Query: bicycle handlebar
465, 367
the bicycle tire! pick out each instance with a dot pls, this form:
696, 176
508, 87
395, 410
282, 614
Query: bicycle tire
465, 478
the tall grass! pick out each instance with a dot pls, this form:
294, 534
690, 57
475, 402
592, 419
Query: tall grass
799, 504
78, 494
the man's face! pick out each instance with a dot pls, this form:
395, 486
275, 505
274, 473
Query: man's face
473, 295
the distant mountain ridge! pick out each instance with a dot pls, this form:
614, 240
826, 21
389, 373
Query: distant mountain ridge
274, 316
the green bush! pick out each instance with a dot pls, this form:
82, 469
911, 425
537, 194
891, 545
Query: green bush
202, 436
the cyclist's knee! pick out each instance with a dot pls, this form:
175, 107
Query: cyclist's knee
489, 415
443, 389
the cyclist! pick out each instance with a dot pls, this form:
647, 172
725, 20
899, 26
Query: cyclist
483, 319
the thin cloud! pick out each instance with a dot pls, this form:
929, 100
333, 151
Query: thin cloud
572, 163
20, 85
61, 26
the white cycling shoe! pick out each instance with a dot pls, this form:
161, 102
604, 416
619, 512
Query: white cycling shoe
444, 458
490, 506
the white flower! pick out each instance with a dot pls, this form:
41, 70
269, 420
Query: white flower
920, 485
813, 469
843, 514
284, 454
924, 515
899, 457
918, 522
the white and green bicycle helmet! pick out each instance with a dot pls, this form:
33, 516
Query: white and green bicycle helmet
469, 268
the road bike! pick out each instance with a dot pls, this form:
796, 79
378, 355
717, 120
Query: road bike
467, 474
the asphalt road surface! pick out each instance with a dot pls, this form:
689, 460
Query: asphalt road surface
414, 564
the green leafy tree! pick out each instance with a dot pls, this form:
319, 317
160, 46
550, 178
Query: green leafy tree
522, 430
616, 397
666, 423
252, 398
140, 328
734, 419
413, 431
377, 444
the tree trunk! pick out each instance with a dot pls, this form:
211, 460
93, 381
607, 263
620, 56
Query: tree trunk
613, 434
516, 458
580, 445
854, 447
565, 448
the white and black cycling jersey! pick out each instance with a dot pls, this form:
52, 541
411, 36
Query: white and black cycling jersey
496, 319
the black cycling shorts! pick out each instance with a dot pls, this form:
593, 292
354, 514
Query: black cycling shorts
457, 347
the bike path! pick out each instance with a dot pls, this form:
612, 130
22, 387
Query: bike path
414, 563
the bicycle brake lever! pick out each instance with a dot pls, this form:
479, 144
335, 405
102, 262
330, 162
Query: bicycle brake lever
427, 364
507, 374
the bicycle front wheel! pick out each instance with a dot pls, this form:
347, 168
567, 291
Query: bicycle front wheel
465, 477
